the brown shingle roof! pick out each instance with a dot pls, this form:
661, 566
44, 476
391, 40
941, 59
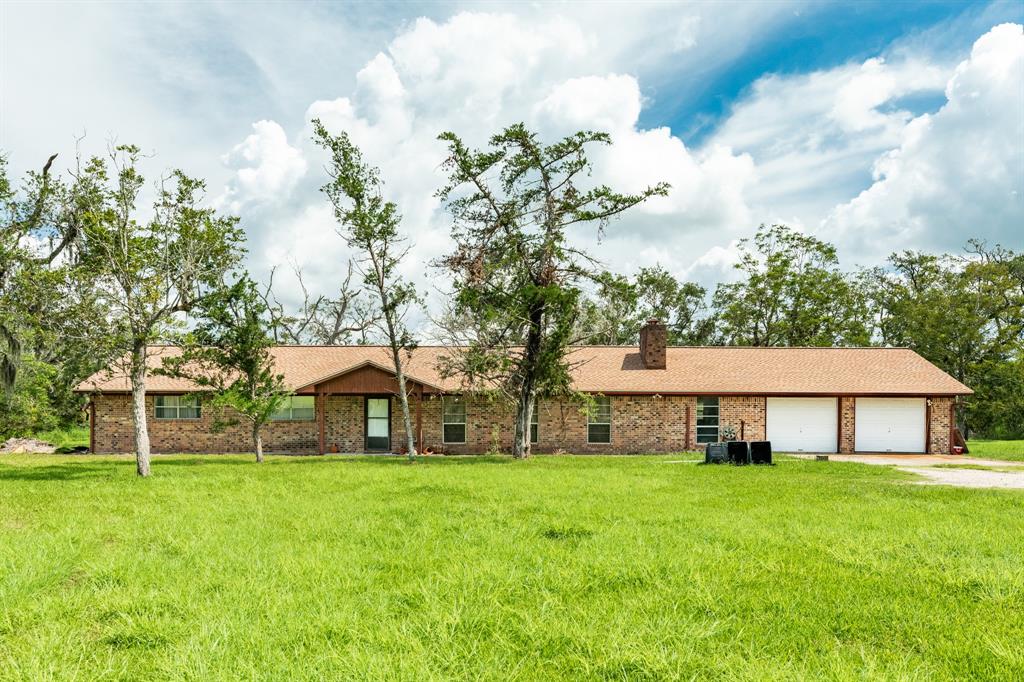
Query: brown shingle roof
618, 369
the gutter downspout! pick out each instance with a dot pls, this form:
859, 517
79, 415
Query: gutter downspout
92, 425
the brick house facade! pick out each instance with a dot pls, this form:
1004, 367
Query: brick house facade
640, 424
653, 400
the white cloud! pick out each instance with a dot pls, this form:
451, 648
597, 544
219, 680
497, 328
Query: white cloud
842, 151
607, 103
955, 174
686, 33
477, 73
794, 148
266, 167
813, 136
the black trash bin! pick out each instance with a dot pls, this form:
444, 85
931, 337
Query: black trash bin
739, 451
716, 453
761, 452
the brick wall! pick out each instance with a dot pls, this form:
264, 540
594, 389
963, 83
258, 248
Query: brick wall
639, 424
489, 425
847, 424
114, 432
343, 424
939, 431
745, 413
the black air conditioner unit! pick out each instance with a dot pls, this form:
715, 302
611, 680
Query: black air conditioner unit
739, 451
761, 452
716, 453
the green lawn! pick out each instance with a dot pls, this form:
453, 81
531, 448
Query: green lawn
997, 449
626, 568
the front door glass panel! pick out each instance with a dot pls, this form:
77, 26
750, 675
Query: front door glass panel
378, 424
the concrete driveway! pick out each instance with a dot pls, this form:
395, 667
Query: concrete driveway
926, 467
969, 478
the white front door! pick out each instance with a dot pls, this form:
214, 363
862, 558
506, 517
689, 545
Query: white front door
802, 424
890, 425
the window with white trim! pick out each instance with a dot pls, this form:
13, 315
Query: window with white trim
599, 420
453, 419
534, 428
298, 408
176, 407
707, 420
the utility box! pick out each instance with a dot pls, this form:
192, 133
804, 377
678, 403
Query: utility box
761, 451
739, 451
716, 453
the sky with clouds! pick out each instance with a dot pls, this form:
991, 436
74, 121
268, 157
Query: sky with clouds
878, 126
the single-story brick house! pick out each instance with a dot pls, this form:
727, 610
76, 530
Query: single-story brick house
652, 399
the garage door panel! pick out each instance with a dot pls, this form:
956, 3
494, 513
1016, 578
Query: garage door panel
802, 424
890, 425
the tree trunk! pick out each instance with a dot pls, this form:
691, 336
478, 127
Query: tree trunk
257, 443
139, 409
528, 389
403, 398
522, 446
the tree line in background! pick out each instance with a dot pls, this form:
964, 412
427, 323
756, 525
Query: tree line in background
963, 312
91, 279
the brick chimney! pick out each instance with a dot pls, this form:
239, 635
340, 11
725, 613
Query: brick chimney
653, 340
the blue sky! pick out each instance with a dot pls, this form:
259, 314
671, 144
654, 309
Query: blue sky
819, 37
879, 126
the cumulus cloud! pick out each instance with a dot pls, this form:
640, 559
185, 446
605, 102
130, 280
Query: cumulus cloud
814, 136
266, 167
958, 173
797, 149
475, 74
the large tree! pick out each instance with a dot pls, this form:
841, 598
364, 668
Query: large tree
149, 269
228, 355
46, 316
791, 293
370, 225
516, 275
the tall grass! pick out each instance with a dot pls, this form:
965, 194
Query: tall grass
624, 568
65, 438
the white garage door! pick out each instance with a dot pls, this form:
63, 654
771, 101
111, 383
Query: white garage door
890, 425
802, 424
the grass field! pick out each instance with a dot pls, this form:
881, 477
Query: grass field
1012, 450
483, 568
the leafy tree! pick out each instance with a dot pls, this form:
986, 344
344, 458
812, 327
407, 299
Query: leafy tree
149, 273
27, 408
515, 275
21, 218
610, 316
46, 316
792, 293
228, 353
620, 307
370, 226
966, 315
